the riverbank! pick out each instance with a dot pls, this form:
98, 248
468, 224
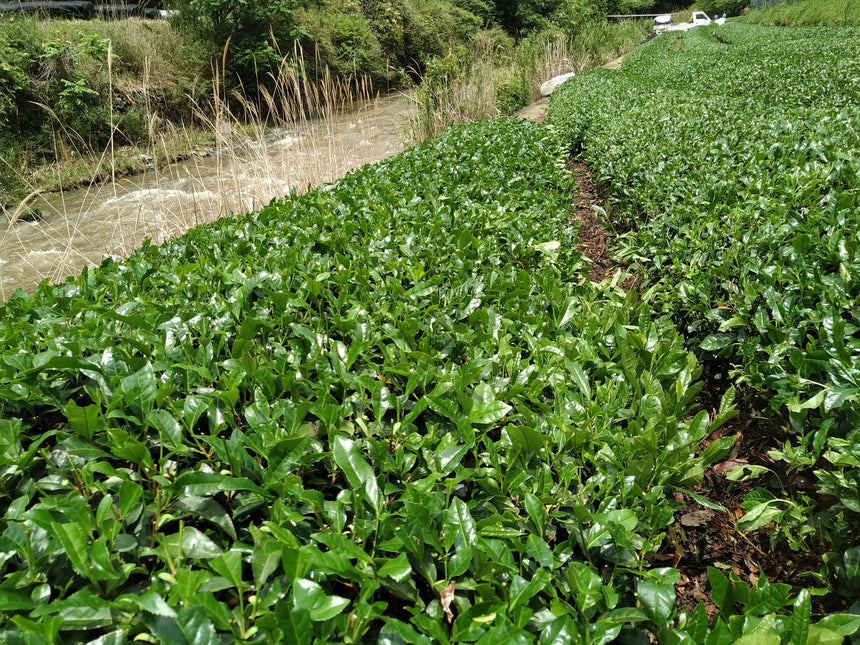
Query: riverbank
84, 100
142, 95
247, 169
85, 170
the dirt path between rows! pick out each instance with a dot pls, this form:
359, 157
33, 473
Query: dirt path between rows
590, 198
594, 240
593, 237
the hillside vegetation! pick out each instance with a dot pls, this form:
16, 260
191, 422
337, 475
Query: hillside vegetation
87, 100
808, 12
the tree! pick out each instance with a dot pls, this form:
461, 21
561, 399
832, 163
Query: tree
249, 33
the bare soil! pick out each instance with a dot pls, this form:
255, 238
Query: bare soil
702, 537
535, 112
594, 239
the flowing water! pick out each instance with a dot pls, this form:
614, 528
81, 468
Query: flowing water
82, 227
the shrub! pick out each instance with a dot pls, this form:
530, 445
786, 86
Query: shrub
483, 10
728, 7
12, 81
252, 33
513, 94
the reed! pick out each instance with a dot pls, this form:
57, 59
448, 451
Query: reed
497, 78
298, 133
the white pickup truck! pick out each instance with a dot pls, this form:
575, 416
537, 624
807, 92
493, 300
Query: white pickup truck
664, 23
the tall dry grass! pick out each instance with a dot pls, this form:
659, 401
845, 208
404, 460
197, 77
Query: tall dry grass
497, 78
294, 135
138, 43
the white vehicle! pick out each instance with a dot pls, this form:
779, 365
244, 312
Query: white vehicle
664, 23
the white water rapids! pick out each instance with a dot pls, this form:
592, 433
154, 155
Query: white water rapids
82, 227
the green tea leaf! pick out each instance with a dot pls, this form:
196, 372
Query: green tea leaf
11, 600
295, 623
721, 589
208, 509
74, 539
189, 543
229, 565
458, 530
716, 342
843, 624
190, 626
358, 472
759, 516
310, 596
800, 617
657, 598
83, 420
153, 603
265, 560
488, 411
82, 610
398, 568
203, 484
758, 639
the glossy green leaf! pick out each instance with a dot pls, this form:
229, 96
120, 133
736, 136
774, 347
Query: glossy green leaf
398, 568
658, 599
358, 472
844, 624
800, 617
310, 596
83, 420
489, 411
190, 626
189, 543
208, 509
153, 603
229, 565
759, 516
203, 484
758, 639
11, 600
721, 589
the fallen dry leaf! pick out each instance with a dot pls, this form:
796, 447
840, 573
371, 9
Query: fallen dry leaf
728, 466
445, 597
696, 518
698, 594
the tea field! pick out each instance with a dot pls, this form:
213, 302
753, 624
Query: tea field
733, 159
395, 410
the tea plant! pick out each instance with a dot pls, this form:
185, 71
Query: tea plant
734, 163
392, 409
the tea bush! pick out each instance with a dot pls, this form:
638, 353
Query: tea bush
392, 409
734, 162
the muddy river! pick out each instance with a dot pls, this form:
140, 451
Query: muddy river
82, 227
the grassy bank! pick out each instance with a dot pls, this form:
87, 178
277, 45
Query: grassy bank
808, 13
79, 98
85, 99
496, 77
